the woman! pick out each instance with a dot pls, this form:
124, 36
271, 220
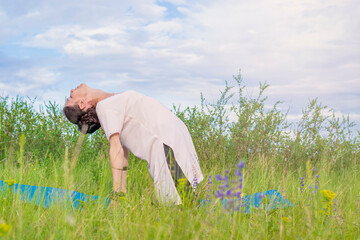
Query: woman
137, 123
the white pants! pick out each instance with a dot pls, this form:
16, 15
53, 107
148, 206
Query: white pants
159, 171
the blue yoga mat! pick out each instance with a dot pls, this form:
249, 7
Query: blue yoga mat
48, 196
249, 203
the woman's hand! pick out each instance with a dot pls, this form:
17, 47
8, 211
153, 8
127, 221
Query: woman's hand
113, 204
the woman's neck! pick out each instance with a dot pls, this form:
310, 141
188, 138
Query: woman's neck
97, 95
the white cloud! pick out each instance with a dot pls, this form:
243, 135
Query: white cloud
32, 14
303, 49
5, 89
39, 76
74, 39
16, 88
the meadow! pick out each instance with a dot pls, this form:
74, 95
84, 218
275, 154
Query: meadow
319, 152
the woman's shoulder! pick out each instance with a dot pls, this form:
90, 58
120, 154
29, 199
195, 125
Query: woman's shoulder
117, 98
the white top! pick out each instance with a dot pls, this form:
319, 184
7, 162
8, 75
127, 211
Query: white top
140, 121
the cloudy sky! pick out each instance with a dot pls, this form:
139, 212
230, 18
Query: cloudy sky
173, 50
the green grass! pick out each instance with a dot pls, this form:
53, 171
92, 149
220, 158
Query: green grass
38, 148
143, 218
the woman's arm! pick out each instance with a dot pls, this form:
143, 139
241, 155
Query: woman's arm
119, 162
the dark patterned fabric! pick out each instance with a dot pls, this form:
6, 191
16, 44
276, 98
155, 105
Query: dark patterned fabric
175, 170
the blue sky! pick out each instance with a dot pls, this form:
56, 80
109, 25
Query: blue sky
173, 50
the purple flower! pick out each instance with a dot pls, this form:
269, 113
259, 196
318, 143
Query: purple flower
219, 194
261, 196
218, 177
317, 176
240, 165
238, 173
238, 194
226, 178
228, 193
316, 187
195, 182
240, 186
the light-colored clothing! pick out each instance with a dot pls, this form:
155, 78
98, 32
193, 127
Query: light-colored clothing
144, 125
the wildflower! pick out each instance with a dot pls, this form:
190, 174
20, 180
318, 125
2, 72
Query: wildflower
218, 177
4, 228
302, 183
195, 182
240, 165
285, 219
208, 186
328, 195
210, 179
10, 182
317, 183
228, 193
226, 181
219, 194
238, 173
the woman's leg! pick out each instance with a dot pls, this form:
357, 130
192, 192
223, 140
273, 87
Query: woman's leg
164, 183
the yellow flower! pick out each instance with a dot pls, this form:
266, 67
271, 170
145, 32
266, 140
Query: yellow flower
285, 219
10, 182
328, 195
182, 181
4, 228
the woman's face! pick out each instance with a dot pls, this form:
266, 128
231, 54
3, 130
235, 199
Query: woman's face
77, 95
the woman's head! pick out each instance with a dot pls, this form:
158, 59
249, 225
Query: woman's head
87, 121
80, 111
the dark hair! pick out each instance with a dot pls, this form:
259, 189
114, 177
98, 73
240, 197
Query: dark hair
87, 121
